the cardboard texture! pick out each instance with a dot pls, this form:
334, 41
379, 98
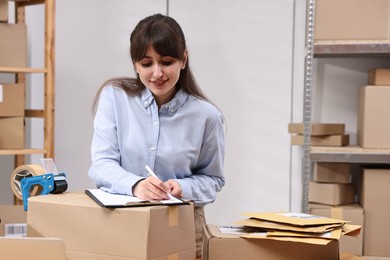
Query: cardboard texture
11, 100
374, 117
13, 49
375, 197
325, 140
353, 213
332, 172
32, 248
22, 248
292, 218
221, 246
379, 77
366, 19
94, 232
3, 11
333, 194
10, 214
348, 256
11, 132
317, 129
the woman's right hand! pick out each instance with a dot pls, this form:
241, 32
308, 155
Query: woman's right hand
151, 188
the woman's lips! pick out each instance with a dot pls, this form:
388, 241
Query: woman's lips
159, 83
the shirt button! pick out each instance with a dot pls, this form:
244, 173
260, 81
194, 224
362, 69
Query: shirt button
146, 102
152, 148
172, 110
155, 123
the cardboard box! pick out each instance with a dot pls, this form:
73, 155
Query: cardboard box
32, 248
353, 213
332, 172
375, 199
333, 194
374, 117
352, 19
3, 11
10, 214
13, 46
221, 246
11, 132
16, 247
317, 129
379, 77
93, 232
325, 140
11, 100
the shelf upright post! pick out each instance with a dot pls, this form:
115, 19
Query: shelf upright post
49, 109
308, 82
20, 77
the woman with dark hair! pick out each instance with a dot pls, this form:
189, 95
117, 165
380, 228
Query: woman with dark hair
161, 119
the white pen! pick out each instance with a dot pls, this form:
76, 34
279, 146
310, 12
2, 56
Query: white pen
155, 176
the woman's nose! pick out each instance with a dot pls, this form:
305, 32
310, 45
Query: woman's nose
157, 71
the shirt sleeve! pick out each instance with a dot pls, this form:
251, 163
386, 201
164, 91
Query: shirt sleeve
208, 177
105, 169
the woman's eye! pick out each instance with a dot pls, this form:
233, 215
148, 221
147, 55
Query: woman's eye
166, 63
145, 65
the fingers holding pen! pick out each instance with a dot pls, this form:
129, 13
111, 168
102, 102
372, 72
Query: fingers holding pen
151, 188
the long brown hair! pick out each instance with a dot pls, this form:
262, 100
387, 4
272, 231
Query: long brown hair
165, 35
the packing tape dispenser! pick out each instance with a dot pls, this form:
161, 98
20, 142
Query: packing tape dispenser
32, 180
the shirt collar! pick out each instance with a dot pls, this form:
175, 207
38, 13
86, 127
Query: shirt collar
171, 107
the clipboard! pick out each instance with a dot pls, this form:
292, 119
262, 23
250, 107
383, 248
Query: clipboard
110, 200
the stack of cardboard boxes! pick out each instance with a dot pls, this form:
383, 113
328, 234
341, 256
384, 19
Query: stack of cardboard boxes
15, 245
13, 53
374, 133
333, 194
321, 134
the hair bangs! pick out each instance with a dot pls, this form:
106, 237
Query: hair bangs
161, 38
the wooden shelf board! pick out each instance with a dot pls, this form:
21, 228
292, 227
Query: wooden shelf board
21, 151
22, 70
352, 154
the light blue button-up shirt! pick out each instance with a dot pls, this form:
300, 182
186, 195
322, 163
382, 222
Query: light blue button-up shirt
184, 140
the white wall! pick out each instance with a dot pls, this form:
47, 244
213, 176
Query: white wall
247, 56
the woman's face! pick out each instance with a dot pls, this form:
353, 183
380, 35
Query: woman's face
160, 74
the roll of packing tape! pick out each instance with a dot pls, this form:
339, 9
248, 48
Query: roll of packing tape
25, 171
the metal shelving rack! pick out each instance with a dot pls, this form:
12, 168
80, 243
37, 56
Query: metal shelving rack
318, 49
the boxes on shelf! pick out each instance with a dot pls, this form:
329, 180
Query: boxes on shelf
11, 132
353, 213
11, 100
333, 194
374, 117
379, 77
375, 197
14, 244
94, 232
3, 11
325, 140
13, 50
332, 172
366, 20
317, 129
222, 246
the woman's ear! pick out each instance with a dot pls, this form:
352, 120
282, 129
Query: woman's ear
185, 58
